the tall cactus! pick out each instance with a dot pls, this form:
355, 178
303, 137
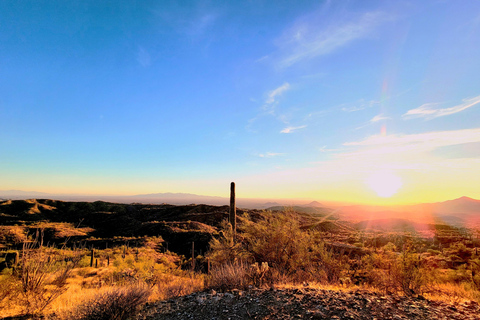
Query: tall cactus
233, 209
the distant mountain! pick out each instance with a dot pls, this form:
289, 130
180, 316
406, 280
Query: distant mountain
324, 212
456, 206
20, 195
463, 211
177, 198
451, 208
271, 204
174, 196
460, 205
153, 198
314, 204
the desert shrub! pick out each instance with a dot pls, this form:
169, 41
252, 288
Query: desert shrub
230, 276
379, 271
224, 250
279, 241
171, 286
42, 274
84, 260
459, 253
12, 234
475, 273
301, 255
330, 266
112, 304
9, 290
407, 272
144, 265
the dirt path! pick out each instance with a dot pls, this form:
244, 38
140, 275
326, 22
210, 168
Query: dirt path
305, 303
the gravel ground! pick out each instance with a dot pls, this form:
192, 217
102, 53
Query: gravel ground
305, 303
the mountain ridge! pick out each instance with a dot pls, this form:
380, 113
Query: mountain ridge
463, 204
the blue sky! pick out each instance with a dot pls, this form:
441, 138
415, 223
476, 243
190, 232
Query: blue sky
297, 99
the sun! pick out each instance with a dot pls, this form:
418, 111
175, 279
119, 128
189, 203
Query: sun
384, 183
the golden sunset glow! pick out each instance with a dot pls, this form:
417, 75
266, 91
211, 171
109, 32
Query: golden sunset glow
384, 183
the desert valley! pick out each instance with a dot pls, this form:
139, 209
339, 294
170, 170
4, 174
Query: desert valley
75, 260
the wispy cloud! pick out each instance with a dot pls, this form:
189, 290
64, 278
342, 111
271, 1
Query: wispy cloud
358, 105
277, 92
270, 154
271, 101
310, 37
292, 129
353, 109
431, 110
268, 108
325, 149
374, 120
422, 142
379, 117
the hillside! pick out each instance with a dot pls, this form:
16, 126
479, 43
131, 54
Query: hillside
177, 250
104, 224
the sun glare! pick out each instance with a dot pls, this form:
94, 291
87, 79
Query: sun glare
384, 183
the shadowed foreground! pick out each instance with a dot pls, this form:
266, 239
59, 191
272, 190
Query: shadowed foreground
305, 303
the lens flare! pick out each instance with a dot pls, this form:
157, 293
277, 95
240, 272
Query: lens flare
384, 183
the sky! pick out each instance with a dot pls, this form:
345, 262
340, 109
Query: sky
359, 101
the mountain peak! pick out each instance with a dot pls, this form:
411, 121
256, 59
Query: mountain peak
314, 204
464, 199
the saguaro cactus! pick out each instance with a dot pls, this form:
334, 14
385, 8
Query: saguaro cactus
233, 209
193, 255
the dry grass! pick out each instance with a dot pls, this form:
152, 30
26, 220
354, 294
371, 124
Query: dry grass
170, 286
76, 294
86, 285
453, 293
229, 276
113, 303
62, 229
240, 275
47, 285
13, 234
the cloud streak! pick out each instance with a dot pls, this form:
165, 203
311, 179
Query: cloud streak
416, 143
270, 155
292, 129
271, 101
378, 118
268, 108
430, 110
310, 39
277, 92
